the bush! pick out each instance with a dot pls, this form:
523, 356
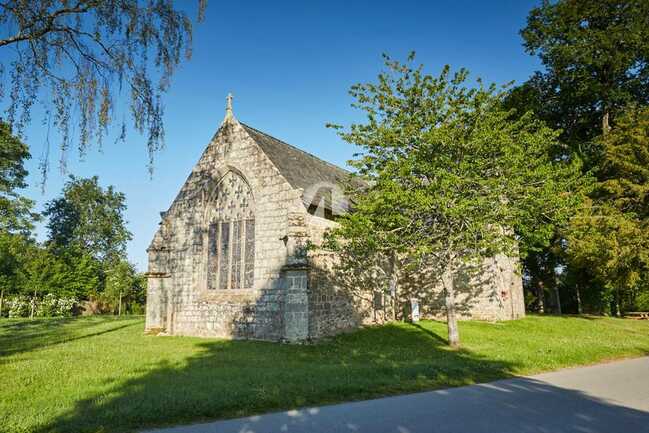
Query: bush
136, 308
19, 306
46, 307
642, 301
51, 306
65, 307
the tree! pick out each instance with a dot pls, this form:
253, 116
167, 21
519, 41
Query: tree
76, 55
120, 284
14, 252
88, 219
595, 62
82, 274
451, 176
16, 215
611, 237
596, 58
15, 210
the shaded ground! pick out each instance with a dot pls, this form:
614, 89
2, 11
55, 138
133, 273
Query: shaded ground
102, 374
605, 398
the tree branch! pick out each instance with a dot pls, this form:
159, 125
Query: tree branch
48, 26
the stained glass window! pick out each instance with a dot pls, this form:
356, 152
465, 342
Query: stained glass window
224, 255
249, 269
235, 275
212, 257
231, 235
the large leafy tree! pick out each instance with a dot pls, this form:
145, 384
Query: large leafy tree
15, 210
15, 250
612, 236
16, 215
596, 60
452, 177
62, 273
76, 56
89, 219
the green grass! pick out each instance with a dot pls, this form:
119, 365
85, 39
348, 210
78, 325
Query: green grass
102, 373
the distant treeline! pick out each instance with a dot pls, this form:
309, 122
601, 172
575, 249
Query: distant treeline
81, 267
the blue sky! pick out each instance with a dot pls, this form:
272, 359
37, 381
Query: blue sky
289, 65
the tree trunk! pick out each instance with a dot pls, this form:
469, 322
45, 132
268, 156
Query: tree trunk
119, 307
578, 293
605, 123
558, 298
618, 313
540, 293
2, 297
393, 284
451, 318
31, 315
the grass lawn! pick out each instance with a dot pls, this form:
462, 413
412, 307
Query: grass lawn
102, 374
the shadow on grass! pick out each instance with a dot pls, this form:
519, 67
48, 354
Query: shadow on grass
239, 378
519, 405
429, 333
23, 335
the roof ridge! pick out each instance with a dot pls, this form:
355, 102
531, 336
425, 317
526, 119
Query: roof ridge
297, 148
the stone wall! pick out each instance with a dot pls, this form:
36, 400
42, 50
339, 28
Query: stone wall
179, 300
297, 293
333, 306
345, 293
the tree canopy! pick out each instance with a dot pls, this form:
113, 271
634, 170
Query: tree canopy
15, 210
451, 175
88, 218
596, 60
76, 56
611, 237
595, 66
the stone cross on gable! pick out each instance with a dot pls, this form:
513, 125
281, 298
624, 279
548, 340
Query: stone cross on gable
228, 108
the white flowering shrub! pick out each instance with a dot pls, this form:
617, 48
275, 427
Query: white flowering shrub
19, 306
47, 306
65, 306
52, 306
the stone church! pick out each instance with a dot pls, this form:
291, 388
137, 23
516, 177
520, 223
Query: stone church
230, 259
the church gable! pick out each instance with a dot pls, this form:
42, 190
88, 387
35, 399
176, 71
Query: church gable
231, 256
318, 184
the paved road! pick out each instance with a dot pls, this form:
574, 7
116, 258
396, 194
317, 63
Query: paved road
607, 398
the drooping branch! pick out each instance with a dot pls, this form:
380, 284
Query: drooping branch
83, 53
48, 21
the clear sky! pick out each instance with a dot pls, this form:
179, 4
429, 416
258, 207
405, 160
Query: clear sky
289, 65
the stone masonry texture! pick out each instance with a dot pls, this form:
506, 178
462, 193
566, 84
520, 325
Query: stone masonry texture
292, 293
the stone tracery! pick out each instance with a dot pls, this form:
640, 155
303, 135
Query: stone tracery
230, 226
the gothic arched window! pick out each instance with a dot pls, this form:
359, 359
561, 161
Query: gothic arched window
231, 235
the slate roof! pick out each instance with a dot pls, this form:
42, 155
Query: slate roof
306, 171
